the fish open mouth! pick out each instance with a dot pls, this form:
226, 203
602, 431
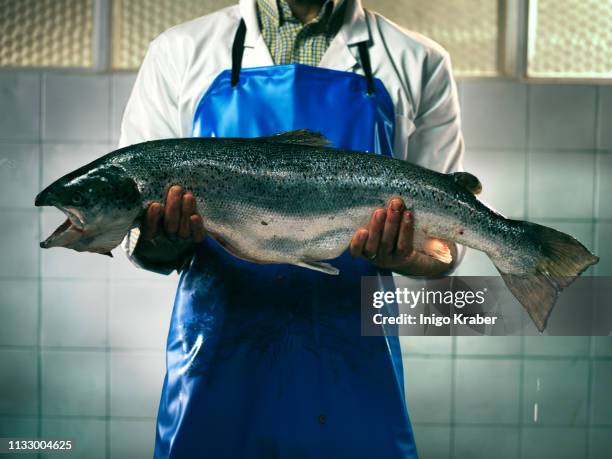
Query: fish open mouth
70, 231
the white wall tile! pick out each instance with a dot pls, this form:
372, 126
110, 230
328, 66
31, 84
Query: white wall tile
19, 246
604, 181
433, 442
132, 439
562, 116
600, 443
14, 427
476, 263
602, 346
558, 346
122, 269
121, 87
604, 249
601, 395
553, 442
88, 437
18, 382
20, 102
428, 389
418, 345
61, 158
486, 442
489, 345
494, 114
140, 314
18, 427
605, 118
19, 174
74, 383
136, 382
487, 391
561, 185
74, 313
77, 107
555, 392
502, 174
19, 313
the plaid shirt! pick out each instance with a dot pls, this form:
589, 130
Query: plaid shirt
290, 41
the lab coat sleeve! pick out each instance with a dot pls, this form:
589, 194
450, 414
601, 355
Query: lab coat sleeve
152, 113
437, 142
152, 109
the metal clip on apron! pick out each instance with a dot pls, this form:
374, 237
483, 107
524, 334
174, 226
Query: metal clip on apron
267, 361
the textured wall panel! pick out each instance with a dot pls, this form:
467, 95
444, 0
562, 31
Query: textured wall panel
46, 33
570, 39
137, 22
468, 29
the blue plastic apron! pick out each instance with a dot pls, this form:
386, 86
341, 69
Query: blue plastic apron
268, 361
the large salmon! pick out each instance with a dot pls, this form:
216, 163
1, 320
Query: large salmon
290, 198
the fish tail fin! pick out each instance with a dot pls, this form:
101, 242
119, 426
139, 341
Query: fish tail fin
562, 260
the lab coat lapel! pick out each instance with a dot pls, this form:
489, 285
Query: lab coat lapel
342, 50
256, 53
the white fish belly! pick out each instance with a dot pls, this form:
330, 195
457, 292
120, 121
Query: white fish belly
267, 237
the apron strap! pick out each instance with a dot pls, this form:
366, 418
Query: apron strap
237, 52
364, 58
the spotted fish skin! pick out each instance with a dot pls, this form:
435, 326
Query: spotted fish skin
281, 199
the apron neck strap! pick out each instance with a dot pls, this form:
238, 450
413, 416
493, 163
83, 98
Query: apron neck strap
364, 58
238, 51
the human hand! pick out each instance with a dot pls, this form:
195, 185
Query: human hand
387, 242
178, 218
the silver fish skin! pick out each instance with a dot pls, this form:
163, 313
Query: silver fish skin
291, 199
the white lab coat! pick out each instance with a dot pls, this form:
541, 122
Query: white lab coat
182, 62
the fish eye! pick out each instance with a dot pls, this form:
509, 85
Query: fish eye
77, 199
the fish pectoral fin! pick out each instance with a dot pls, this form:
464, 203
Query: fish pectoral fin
300, 137
319, 266
438, 249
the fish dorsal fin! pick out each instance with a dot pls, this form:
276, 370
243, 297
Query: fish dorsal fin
301, 137
468, 181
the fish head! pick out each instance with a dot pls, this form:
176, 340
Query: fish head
101, 204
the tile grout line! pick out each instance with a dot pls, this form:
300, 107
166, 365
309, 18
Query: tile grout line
607, 427
596, 181
521, 414
41, 121
108, 372
108, 298
526, 149
589, 397
451, 433
596, 186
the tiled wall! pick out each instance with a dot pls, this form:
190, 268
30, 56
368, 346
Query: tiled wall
82, 336
543, 153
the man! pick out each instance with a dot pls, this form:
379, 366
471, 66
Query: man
267, 361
